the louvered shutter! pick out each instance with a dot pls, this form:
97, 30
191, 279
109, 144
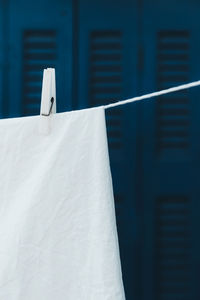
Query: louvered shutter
173, 247
107, 73
39, 51
105, 81
169, 128
173, 110
38, 35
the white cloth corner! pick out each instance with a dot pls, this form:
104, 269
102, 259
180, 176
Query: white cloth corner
58, 236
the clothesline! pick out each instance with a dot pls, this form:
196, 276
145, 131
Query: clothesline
155, 94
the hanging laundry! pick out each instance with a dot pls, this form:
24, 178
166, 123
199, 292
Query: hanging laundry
58, 236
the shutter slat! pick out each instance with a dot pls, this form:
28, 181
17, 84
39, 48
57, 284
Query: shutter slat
106, 78
173, 111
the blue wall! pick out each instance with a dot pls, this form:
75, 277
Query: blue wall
105, 51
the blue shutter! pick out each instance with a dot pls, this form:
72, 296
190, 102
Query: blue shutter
173, 247
36, 36
106, 73
105, 80
170, 152
4, 64
173, 110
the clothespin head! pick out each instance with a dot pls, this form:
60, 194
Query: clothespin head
48, 100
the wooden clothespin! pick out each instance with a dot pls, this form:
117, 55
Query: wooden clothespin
48, 100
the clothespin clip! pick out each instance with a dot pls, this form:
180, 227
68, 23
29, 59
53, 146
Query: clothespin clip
48, 100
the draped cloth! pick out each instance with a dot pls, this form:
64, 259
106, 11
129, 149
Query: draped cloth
58, 234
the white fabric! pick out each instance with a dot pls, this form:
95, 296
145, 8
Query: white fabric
58, 236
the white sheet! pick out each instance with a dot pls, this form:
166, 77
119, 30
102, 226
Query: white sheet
58, 236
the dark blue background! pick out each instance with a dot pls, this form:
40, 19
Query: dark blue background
109, 50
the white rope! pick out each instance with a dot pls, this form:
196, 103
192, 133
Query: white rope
155, 94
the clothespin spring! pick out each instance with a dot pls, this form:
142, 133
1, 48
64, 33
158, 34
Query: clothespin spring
50, 109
